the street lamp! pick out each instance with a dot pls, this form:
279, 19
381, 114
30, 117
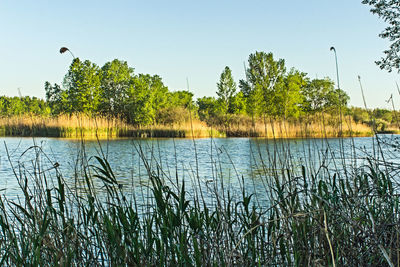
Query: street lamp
64, 49
337, 70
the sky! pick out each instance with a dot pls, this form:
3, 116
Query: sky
194, 41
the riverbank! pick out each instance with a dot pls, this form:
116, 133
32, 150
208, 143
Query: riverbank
77, 126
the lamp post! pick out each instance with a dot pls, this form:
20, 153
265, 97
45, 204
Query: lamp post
64, 49
337, 69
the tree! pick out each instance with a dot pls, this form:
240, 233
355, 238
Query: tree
263, 78
320, 95
17, 106
316, 94
208, 109
139, 105
289, 96
54, 97
160, 93
82, 85
146, 95
389, 11
253, 98
238, 104
178, 108
181, 98
337, 99
115, 82
226, 90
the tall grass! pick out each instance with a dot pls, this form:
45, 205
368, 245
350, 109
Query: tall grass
83, 126
332, 213
316, 126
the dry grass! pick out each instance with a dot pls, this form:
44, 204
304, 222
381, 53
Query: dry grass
83, 126
78, 126
316, 127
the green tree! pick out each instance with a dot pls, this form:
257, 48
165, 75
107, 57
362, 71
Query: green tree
160, 93
289, 95
383, 114
389, 11
3, 105
178, 108
139, 105
226, 88
116, 78
54, 97
360, 115
82, 85
146, 95
263, 79
208, 109
16, 106
182, 98
337, 99
34, 106
238, 104
316, 94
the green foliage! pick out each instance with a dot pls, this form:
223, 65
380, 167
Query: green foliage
320, 95
264, 78
115, 91
238, 104
383, 114
82, 87
316, 94
226, 89
140, 97
112, 90
54, 98
252, 97
389, 11
360, 115
289, 96
181, 99
209, 109
116, 79
16, 106
177, 109
337, 99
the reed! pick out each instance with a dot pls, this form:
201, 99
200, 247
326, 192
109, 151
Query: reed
315, 128
316, 215
83, 126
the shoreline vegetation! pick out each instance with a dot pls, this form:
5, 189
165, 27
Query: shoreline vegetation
113, 101
83, 126
336, 209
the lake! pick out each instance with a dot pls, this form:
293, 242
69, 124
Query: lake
212, 164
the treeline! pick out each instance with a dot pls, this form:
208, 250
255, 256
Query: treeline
115, 90
16, 106
142, 99
380, 119
269, 90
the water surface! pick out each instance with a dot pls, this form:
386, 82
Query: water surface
210, 164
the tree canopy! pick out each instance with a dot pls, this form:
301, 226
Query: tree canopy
389, 11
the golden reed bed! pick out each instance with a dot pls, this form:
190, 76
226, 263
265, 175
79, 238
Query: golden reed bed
83, 126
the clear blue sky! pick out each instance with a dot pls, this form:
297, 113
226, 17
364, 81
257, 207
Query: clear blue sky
194, 39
